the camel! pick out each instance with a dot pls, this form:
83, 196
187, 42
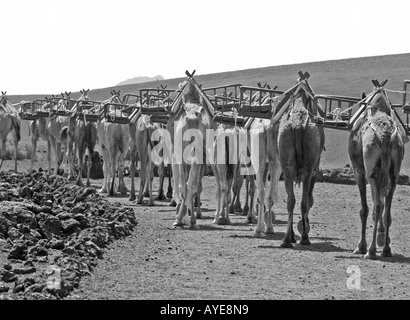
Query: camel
226, 167
9, 121
189, 157
376, 150
82, 135
264, 158
141, 130
114, 139
300, 142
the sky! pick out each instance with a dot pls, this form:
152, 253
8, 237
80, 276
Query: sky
51, 46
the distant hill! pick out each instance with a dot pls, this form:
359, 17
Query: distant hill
140, 80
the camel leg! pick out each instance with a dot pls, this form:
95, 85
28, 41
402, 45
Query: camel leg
245, 210
150, 179
175, 195
49, 155
251, 217
218, 193
133, 152
235, 204
181, 208
224, 190
80, 149
198, 194
106, 169
287, 241
113, 162
377, 212
260, 227
89, 163
16, 142
34, 152
364, 211
2, 149
161, 175
238, 183
71, 159
304, 209
386, 251
121, 183
192, 189
142, 177
169, 192
275, 171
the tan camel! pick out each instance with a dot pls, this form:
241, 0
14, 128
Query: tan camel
301, 142
81, 135
141, 130
114, 139
376, 150
189, 157
9, 121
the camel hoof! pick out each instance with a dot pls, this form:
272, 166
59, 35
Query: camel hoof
151, 204
269, 231
370, 256
145, 194
193, 226
199, 215
386, 253
305, 242
178, 224
132, 198
223, 221
258, 234
169, 194
173, 203
251, 220
160, 197
231, 209
286, 244
300, 227
123, 191
71, 178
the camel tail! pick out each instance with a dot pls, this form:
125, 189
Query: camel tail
90, 138
229, 166
298, 136
385, 165
64, 133
16, 126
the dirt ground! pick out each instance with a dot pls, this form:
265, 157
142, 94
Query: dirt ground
226, 262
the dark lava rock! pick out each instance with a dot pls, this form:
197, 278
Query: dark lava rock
8, 276
4, 289
50, 225
18, 252
24, 270
39, 214
57, 244
26, 190
70, 224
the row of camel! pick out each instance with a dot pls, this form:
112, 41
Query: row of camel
289, 143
